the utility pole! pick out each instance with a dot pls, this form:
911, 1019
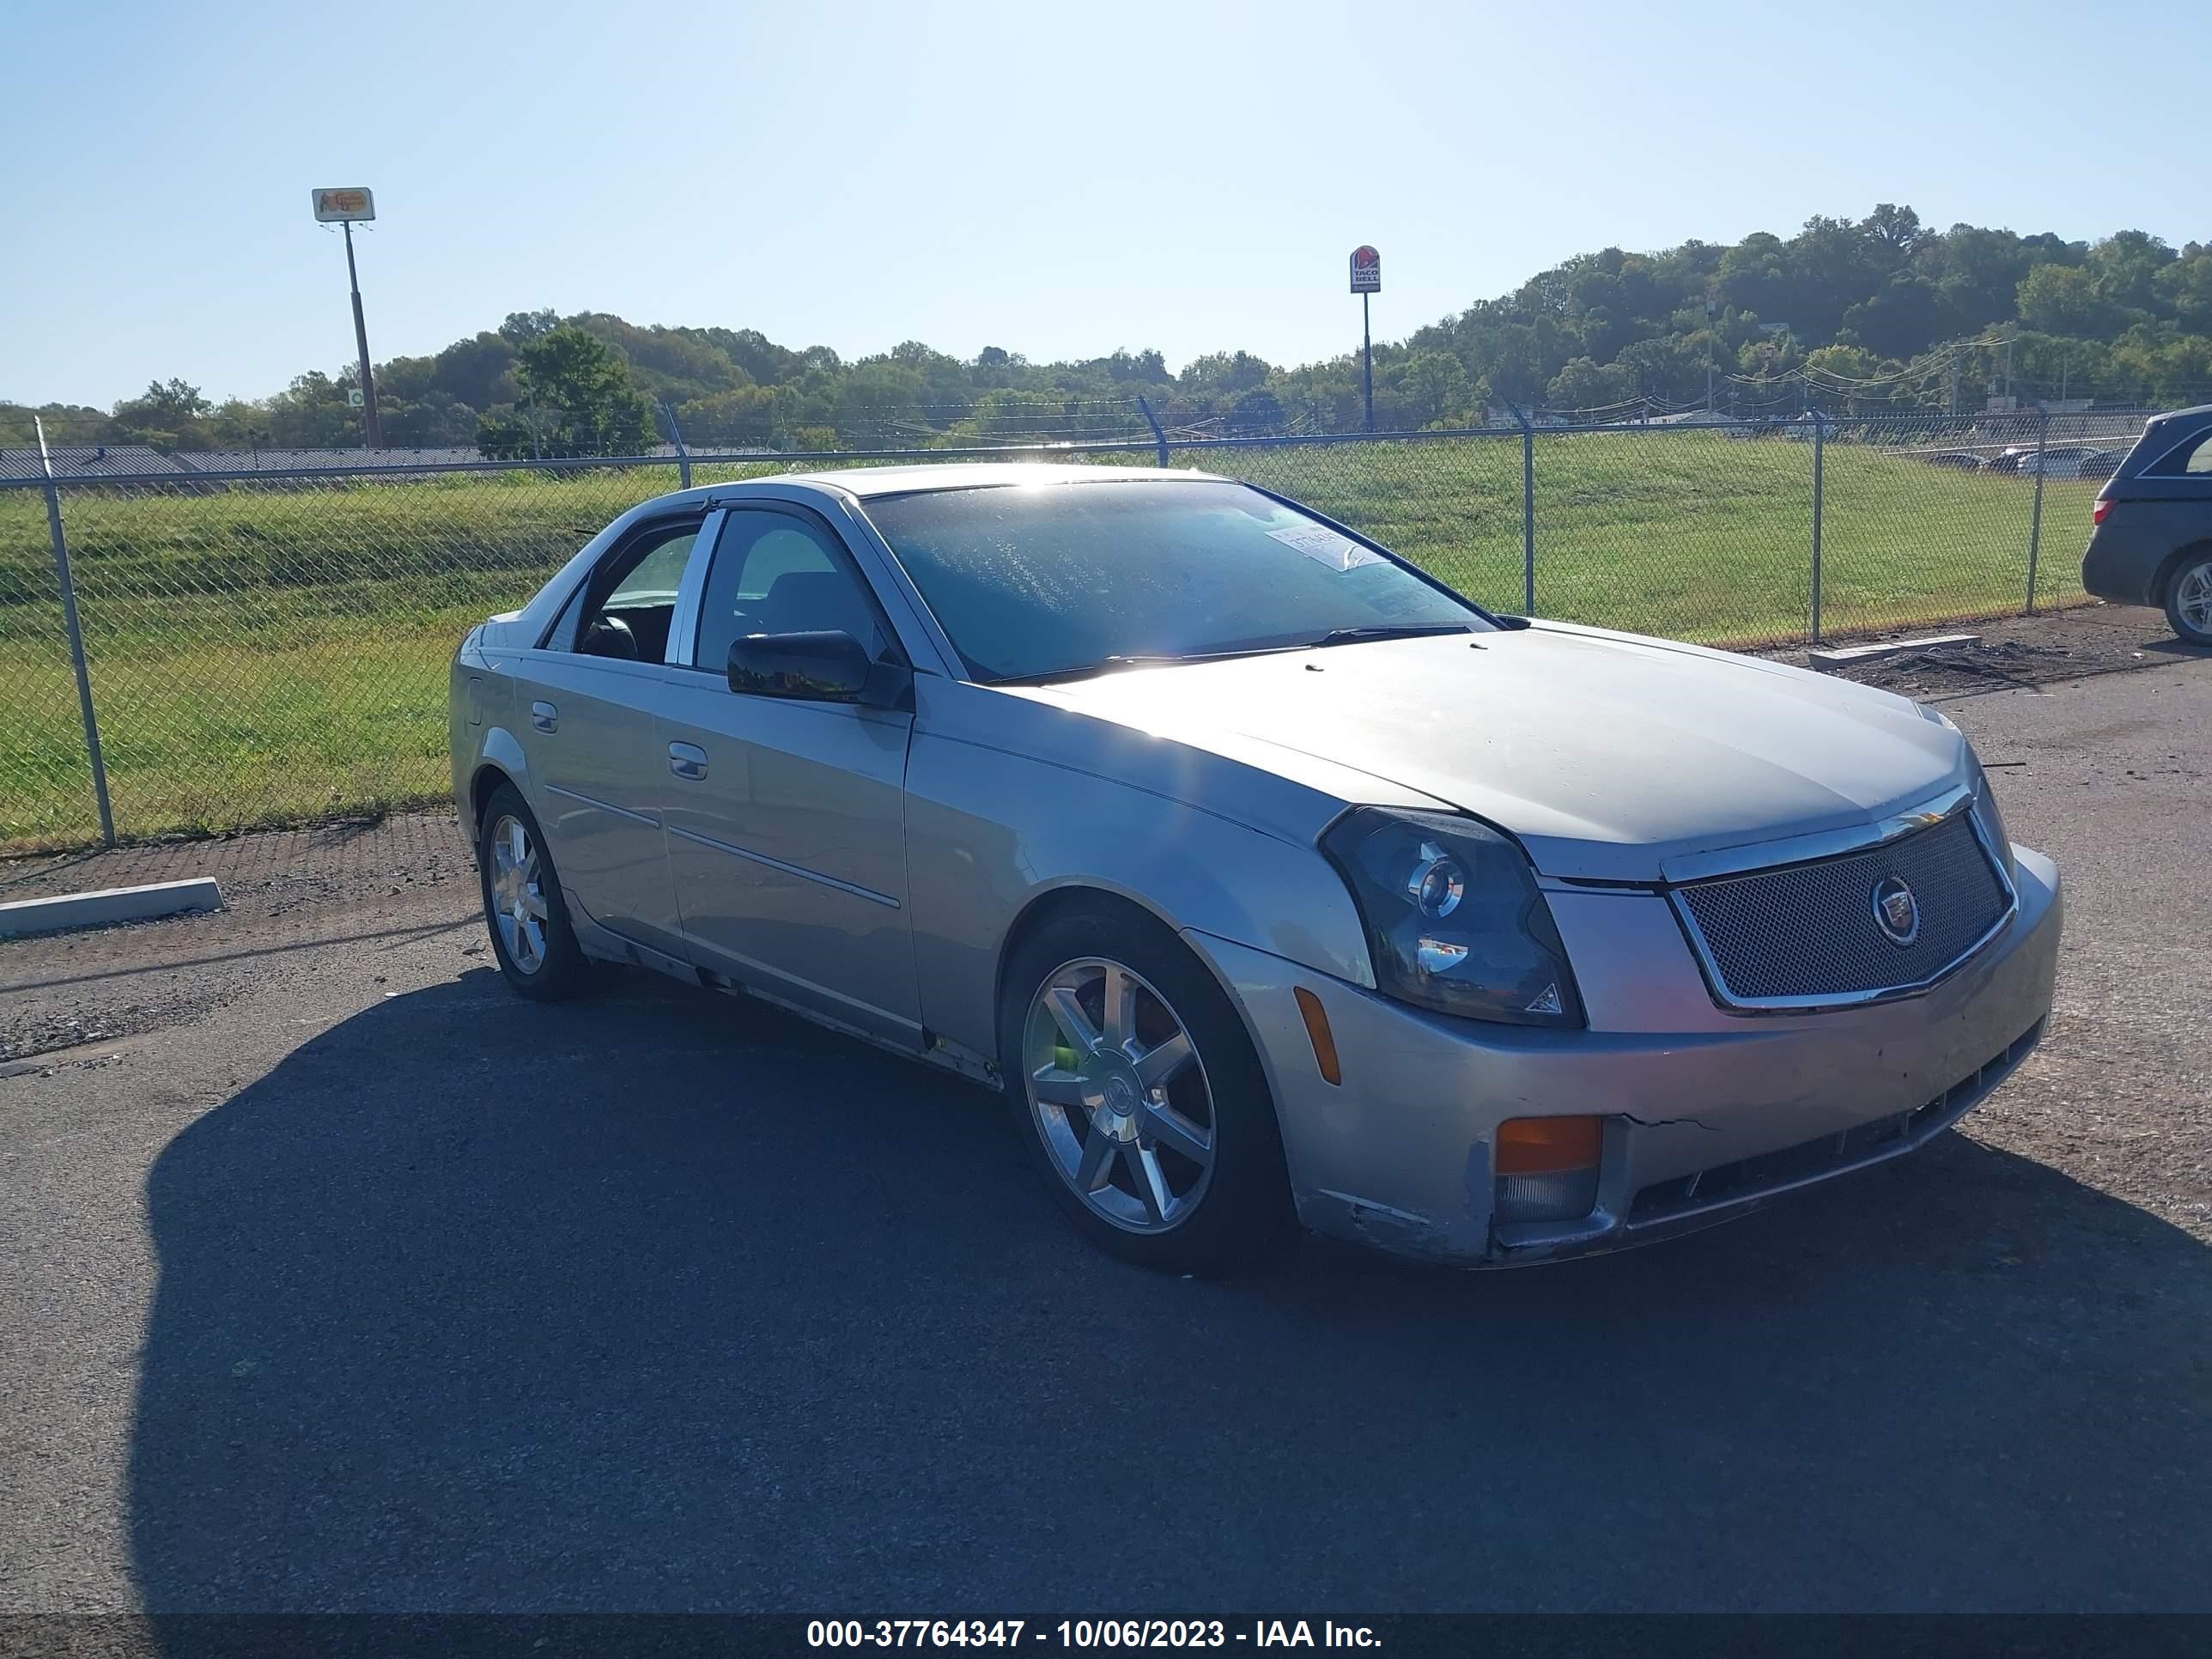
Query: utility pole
1712, 311
1957, 361
2009, 339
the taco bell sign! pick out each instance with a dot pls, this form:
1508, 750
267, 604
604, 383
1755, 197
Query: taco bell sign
1366, 270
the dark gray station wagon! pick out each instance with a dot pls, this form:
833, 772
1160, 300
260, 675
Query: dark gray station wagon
2152, 542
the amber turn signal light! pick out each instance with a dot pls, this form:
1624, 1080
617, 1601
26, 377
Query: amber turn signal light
1317, 1033
1546, 1145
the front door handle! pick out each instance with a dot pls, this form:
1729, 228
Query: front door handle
545, 717
687, 760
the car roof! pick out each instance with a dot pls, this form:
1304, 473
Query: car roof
2163, 422
866, 482
870, 481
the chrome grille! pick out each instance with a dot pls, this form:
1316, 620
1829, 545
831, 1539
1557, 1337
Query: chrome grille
1807, 935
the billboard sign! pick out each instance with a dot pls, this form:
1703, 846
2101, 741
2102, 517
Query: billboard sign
1366, 270
334, 207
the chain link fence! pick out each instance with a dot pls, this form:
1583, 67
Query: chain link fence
1451, 503
272, 647
46, 782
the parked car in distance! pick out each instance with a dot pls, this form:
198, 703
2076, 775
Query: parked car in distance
1269, 879
2151, 541
2067, 461
1962, 460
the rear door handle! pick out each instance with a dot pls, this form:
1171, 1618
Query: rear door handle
687, 760
545, 717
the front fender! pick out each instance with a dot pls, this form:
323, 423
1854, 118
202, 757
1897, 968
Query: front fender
989, 834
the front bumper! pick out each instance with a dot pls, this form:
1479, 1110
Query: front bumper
1710, 1113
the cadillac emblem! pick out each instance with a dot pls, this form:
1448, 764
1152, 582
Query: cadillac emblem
1896, 912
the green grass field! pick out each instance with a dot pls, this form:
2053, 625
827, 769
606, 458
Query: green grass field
270, 655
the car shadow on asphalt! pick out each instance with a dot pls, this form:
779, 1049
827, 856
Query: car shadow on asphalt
663, 1301
2181, 648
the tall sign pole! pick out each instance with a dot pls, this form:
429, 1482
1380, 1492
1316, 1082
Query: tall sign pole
1367, 362
1366, 279
345, 207
373, 426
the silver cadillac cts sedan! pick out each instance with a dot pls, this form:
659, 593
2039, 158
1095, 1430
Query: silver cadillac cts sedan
1272, 881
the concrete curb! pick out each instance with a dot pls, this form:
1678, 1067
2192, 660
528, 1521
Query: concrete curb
1844, 656
108, 906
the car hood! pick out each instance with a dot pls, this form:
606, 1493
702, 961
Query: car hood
1605, 754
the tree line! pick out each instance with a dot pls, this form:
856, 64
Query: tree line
1879, 310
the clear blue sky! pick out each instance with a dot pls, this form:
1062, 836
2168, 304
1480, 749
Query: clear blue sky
1058, 179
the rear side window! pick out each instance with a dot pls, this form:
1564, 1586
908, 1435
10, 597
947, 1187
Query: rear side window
2191, 458
657, 575
622, 610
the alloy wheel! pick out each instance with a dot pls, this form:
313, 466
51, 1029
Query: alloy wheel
515, 895
2193, 598
1119, 1095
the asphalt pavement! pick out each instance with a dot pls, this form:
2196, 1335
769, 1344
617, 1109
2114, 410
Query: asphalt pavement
333, 1276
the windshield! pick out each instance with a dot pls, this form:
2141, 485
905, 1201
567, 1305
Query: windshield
1043, 582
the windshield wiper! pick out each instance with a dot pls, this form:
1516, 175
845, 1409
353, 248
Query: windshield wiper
1103, 666
1108, 665
1334, 636
1388, 631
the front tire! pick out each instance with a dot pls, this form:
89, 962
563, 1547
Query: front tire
2189, 598
1139, 1096
523, 907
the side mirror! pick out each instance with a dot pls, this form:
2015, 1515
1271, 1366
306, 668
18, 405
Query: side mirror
827, 665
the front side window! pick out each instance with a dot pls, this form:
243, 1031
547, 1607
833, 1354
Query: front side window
1044, 581
777, 573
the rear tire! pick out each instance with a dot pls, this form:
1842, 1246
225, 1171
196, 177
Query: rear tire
1139, 1096
523, 911
2189, 598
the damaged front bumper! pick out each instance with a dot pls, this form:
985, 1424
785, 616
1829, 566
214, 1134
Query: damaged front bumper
1709, 1112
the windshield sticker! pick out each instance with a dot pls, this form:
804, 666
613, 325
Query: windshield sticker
1319, 543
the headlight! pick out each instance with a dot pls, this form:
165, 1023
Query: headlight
1454, 922
1985, 808
1991, 821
